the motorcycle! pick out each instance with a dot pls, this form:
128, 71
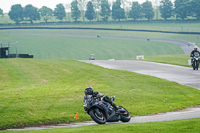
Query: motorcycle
195, 61
101, 111
92, 57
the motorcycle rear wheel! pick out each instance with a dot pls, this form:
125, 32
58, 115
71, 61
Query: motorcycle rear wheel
97, 115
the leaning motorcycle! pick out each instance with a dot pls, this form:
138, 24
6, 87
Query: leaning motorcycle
195, 61
101, 111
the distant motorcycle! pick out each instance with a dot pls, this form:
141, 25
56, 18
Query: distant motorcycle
195, 61
92, 57
101, 111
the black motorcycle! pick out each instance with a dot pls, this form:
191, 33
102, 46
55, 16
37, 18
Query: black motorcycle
102, 111
195, 61
92, 57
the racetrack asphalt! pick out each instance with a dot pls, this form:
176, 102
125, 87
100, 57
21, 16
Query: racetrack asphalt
168, 116
182, 75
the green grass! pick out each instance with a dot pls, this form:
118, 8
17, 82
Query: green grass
176, 27
48, 90
58, 44
41, 92
186, 126
25, 37
181, 59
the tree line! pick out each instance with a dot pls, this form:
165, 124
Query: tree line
102, 10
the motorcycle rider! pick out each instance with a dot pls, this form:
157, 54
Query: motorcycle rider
193, 53
89, 94
92, 57
195, 50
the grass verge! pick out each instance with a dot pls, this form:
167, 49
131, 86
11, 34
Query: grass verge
78, 44
180, 60
38, 92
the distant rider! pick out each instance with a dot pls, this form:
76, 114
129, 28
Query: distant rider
195, 50
193, 53
92, 57
90, 94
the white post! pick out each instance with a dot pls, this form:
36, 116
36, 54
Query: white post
189, 62
16, 49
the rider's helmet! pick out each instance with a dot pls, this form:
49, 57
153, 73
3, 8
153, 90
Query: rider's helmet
88, 91
195, 48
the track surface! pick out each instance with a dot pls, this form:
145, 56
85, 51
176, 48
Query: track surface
179, 74
169, 116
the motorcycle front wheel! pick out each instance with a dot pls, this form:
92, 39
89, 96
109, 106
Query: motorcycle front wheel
98, 116
194, 65
125, 116
197, 65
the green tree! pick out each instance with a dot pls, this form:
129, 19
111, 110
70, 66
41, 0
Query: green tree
90, 14
46, 13
126, 5
166, 9
82, 7
147, 9
75, 12
136, 11
16, 13
31, 13
117, 11
105, 10
1, 12
97, 6
59, 12
68, 13
195, 8
181, 9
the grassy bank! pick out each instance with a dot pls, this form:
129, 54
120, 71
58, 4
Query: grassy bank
165, 26
41, 92
180, 60
80, 44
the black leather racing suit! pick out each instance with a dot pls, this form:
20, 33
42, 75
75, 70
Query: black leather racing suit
108, 99
192, 53
105, 98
